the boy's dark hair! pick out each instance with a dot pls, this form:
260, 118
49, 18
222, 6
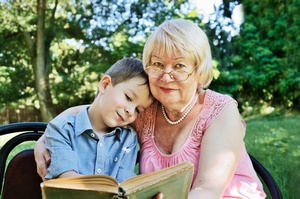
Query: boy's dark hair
126, 69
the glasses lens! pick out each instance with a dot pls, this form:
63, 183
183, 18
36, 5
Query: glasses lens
179, 75
176, 75
154, 72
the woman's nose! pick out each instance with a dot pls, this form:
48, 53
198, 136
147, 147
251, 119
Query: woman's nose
166, 77
167, 73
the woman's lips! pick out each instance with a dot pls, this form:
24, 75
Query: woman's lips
166, 90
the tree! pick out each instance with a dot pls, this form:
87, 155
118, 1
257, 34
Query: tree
266, 54
41, 67
60, 48
221, 30
30, 30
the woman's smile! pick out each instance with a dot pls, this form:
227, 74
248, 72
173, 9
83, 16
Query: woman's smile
166, 90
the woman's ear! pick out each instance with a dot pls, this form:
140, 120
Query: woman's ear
104, 83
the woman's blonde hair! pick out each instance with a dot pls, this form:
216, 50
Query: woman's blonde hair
179, 35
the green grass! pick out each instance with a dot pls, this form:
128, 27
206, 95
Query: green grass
274, 140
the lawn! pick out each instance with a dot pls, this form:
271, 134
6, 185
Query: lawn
274, 140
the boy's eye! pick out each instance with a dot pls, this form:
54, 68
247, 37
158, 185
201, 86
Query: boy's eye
128, 98
137, 110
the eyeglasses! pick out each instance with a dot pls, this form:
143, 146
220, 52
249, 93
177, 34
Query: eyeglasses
176, 75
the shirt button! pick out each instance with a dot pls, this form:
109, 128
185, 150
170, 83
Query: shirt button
115, 159
99, 170
92, 135
100, 144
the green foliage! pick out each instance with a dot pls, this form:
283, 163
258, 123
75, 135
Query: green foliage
16, 73
263, 55
84, 38
220, 33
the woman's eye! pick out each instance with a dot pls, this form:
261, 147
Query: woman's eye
158, 64
179, 66
128, 98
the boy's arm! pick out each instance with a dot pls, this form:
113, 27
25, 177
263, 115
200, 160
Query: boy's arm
41, 154
59, 139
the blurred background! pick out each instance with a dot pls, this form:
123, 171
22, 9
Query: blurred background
52, 55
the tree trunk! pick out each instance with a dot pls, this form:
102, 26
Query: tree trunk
41, 73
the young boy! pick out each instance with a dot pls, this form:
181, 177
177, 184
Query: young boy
96, 141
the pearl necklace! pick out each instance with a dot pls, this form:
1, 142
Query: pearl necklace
182, 117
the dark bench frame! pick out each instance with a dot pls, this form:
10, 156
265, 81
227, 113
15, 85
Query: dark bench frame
21, 178
31, 131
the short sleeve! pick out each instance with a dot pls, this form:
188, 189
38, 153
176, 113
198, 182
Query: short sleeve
57, 140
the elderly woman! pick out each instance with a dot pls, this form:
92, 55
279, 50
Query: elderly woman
188, 122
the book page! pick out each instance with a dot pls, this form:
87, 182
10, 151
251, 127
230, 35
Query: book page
91, 182
169, 175
174, 182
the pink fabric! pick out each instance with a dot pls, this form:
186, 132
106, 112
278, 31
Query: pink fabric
245, 183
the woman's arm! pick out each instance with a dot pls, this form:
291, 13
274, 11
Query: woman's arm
41, 154
42, 157
69, 174
221, 150
73, 110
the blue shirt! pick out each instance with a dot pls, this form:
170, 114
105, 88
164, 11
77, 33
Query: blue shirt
73, 145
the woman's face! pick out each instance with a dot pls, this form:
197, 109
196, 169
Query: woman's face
171, 93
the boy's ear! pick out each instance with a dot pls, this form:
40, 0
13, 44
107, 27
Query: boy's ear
104, 82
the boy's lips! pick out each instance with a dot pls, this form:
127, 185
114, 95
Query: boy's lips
120, 117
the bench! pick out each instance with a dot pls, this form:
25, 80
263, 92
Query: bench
21, 181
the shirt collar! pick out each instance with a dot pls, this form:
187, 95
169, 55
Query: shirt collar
82, 122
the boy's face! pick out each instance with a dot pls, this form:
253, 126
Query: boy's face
122, 103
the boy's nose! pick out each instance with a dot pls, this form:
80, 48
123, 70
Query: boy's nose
130, 110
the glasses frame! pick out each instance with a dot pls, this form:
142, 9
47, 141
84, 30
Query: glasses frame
169, 73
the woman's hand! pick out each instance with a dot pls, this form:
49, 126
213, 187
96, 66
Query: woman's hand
42, 157
158, 196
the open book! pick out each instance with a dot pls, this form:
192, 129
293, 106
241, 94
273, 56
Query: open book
174, 182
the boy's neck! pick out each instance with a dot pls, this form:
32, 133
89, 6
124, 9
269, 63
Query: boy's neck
97, 123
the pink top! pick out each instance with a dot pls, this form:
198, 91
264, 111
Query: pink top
245, 183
